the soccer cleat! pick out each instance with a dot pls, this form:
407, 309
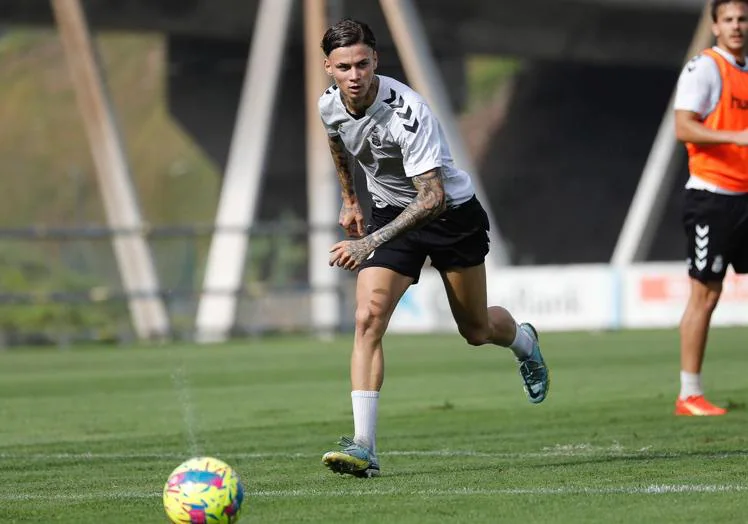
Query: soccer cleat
533, 370
353, 459
697, 406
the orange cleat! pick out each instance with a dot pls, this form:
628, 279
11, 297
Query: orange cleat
697, 406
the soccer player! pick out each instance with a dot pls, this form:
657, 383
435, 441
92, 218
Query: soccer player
711, 117
423, 206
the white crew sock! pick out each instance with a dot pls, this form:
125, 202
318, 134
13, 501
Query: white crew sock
690, 385
365, 405
523, 344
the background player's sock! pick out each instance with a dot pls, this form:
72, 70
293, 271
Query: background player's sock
522, 344
690, 385
365, 405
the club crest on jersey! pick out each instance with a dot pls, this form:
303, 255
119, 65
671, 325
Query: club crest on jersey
374, 138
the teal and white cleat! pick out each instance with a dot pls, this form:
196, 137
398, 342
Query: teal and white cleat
353, 459
533, 369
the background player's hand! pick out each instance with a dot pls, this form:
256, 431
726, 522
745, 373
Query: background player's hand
349, 254
352, 220
741, 138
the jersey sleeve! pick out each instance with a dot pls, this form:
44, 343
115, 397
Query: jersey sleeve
326, 115
419, 140
699, 86
331, 131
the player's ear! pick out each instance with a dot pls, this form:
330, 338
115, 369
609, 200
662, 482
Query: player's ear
376, 60
715, 30
328, 67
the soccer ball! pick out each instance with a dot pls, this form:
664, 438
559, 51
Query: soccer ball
203, 490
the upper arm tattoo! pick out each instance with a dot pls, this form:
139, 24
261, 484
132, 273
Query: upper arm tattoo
340, 158
429, 203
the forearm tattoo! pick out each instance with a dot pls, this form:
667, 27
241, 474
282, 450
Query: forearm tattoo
340, 158
430, 202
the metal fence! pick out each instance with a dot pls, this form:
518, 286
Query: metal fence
62, 285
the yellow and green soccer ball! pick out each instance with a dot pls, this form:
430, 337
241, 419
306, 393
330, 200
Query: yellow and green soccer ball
203, 490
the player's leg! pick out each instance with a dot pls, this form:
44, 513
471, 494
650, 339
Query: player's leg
458, 245
476, 322
378, 291
381, 282
479, 324
706, 221
694, 330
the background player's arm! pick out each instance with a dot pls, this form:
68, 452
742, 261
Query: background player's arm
429, 203
689, 128
351, 217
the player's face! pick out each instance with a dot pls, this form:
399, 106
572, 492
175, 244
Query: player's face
731, 26
352, 68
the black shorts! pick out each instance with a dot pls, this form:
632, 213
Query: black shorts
717, 231
457, 238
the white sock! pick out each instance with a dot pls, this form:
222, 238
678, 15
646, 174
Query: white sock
365, 417
523, 343
690, 385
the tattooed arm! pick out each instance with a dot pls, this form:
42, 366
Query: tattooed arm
351, 217
429, 203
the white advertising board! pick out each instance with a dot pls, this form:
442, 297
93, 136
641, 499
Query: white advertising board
551, 297
655, 295
577, 297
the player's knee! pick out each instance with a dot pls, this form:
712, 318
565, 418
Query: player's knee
706, 298
474, 335
369, 320
709, 302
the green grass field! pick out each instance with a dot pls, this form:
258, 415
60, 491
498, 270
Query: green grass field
90, 435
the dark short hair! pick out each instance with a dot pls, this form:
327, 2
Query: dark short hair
717, 3
348, 32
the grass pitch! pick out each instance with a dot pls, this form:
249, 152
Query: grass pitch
90, 435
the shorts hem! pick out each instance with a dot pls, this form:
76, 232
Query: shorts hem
463, 265
705, 279
391, 267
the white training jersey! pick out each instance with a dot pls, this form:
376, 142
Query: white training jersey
699, 90
397, 138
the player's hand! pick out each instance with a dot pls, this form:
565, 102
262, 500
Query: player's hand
349, 254
351, 219
741, 138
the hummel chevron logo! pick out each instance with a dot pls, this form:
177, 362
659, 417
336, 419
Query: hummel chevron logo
392, 97
397, 105
412, 128
701, 251
396, 101
406, 114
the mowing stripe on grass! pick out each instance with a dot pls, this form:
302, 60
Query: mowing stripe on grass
552, 452
652, 489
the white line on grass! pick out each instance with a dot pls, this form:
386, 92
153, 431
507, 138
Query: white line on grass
652, 489
549, 452
75, 497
